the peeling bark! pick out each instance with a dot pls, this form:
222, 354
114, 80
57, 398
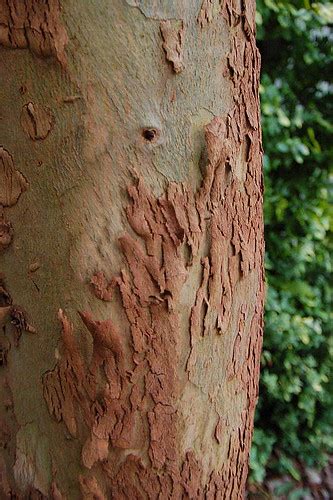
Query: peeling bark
36, 121
206, 13
173, 39
34, 25
142, 226
12, 182
6, 232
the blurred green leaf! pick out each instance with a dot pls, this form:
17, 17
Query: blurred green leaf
294, 418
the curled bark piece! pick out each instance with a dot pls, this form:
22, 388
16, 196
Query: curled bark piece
173, 39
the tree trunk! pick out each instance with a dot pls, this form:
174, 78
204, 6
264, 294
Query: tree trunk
131, 243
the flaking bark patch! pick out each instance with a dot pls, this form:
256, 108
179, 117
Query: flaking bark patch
90, 488
37, 121
33, 25
12, 182
172, 32
101, 288
97, 389
12, 316
12, 185
6, 232
206, 13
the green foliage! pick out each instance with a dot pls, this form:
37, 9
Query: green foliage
294, 419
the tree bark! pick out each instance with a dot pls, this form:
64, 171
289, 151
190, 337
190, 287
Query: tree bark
131, 239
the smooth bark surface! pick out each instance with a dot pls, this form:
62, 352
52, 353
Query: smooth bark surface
131, 239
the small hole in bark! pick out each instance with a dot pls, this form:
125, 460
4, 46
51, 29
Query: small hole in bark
149, 134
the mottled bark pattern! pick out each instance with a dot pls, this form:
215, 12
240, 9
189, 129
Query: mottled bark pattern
143, 234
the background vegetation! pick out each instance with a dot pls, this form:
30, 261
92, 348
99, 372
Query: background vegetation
294, 420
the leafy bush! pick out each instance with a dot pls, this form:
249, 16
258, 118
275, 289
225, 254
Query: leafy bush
294, 419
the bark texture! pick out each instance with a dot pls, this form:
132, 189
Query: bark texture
131, 241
